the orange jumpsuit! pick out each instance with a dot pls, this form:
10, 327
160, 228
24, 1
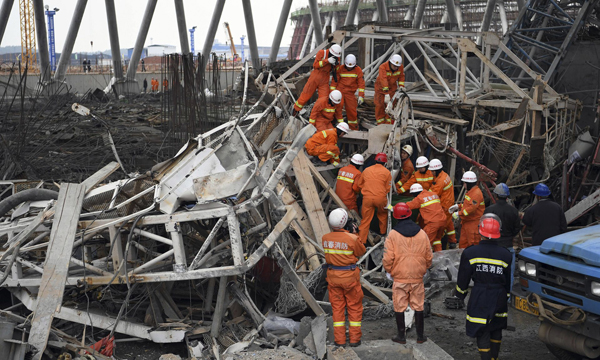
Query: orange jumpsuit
165, 85
324, 145
406, 173
346, 186
430, 207
424, 179
318, 80
387, 82
323, 113
470, 211
348, 81
374, 183
342, 251
443, 187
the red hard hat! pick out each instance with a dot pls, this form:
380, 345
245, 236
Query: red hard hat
489, 227
401, 211
381, 157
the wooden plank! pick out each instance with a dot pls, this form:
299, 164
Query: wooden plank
100, 176
516, 165
375, 291
56, 269
440, 118
583, 207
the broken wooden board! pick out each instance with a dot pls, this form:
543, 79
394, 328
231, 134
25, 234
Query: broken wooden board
583, 207
100, 176
431, 116
375, 291
50, 295
319, 331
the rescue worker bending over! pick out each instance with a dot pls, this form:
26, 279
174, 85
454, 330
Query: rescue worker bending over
342, 251
325, 110
346, 186
319, 77
469, 211
422, 176
323, 145
407, 169
390, 76
444, 188
488, 265
406, 258
545, 218
374, 184
349, 79
434, 218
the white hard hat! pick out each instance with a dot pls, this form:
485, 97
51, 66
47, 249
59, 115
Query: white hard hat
396, 59
415, 188
335, 50
435, 164
422, 162
469, 177
335, 96
344, 127
350, 61
357, 159
408, 149
338, 218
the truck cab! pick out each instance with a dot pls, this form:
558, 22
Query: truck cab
564, 272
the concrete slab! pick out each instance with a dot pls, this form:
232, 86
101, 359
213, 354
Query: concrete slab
389, 350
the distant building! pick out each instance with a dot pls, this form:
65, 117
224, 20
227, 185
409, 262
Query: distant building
263, 51
160, 50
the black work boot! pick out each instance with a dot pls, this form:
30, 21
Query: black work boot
420, 324
401, 338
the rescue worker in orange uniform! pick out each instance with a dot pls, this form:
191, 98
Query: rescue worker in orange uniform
342, 250
469, 211
444, 188
349, 79
325, 61
391, 75
406, 258
346, 186
430, 209
407, 170
374, 184
165, 85
422, 176
325, 110
323, 145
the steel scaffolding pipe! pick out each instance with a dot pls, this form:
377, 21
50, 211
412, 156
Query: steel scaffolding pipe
4, 15
307, 40
451, 9
113, 33
251, 36
65, 55
182, 27
410, 12
352, 11
459, 17
503, 18
141, 39
212, 30
487, 16
418, 19
316, 19
283, 16
42, 40
382, 11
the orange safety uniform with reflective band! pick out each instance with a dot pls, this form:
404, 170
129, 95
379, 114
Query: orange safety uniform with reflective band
387, 82
430, 209
470, 212
424, 179
346, 186
324, 145
348, 81
374, 184
318, 80
345, 293
406, 172
323, 114
444, 188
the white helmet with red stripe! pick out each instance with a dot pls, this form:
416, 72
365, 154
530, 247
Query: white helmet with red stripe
344, 127
422, 162
335, 50
350, 61
469, 177
396, 60
357, 159
338, 219
435, 164
415, 188
335, 96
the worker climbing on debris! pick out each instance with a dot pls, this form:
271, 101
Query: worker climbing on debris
444, 188
374, 184
422, 176
407, 168
323, 145
342, 251
545, 218
346, 186
406, 258
350, 79
487, 264
511, 223
325, 62
325, 110
431, 213
469, 211
390, 77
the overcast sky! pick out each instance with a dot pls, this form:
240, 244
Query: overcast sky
164, 27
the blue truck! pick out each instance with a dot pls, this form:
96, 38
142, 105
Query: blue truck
564, 273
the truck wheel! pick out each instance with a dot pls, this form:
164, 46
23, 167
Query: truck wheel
563, 354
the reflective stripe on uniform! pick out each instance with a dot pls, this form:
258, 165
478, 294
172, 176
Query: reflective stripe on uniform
482, 203
465, 212
451, 232
402, 189
324, 133
448, 186
425, 179
340, 120
467, 197
312, 121
334, 251
439, 242
321, 63
339, 323
501, 314
332, 88
399, 183
401, 83
488, 261
385, 88
430, 202
352, 122
329, 110
335, 163
483, 350
333, 155
496, 341
355, 323
349, 75
388, 73
298, 105
397, 73
359, 89
343, 178
460, 290
379, 121
476, 320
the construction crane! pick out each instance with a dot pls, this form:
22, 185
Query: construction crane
233, 52
27, 21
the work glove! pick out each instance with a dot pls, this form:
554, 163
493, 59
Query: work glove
386, 98
361, 100
453, 208
331, 60
387, 275
452, 246
455, 215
